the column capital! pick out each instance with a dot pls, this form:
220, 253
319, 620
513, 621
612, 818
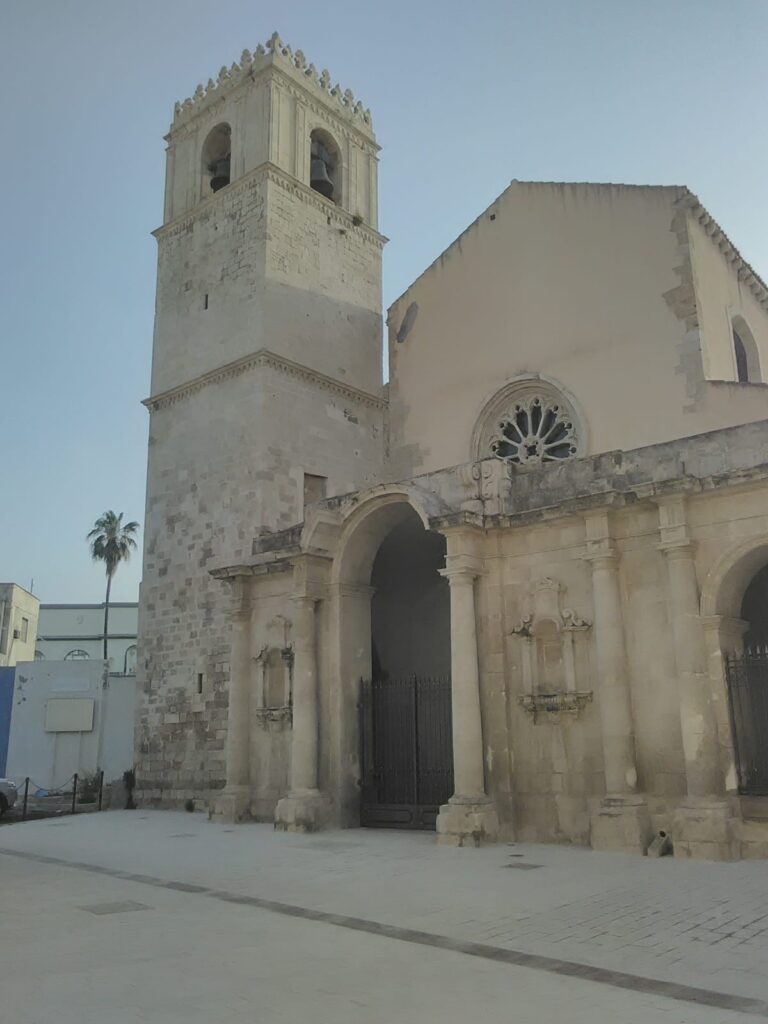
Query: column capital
462, 569
310, 576
240, 598
679, 549
602, 555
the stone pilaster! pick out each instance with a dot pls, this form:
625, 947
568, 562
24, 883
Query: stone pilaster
622, 821
304, 809
703, 824
234, 802
469, 818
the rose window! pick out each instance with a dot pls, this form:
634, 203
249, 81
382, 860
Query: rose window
535, 429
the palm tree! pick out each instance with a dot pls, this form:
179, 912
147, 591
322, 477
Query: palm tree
111, 542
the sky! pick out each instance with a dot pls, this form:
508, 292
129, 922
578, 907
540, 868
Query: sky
464, 96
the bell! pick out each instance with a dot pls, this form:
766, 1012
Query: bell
319, 179
220, 173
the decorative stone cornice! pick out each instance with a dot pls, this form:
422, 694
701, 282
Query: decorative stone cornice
744, 271
275, 362
279, 54
270, 172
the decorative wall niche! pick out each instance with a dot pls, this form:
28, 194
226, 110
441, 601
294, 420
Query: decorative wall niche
551, 639
274, 680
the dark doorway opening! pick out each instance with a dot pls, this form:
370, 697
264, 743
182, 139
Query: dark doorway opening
405, 708
747, 677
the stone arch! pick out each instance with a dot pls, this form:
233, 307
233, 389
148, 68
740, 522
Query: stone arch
361, 529
525, 388
326, 165
728, 579
216, 159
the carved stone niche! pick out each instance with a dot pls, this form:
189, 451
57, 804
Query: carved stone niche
549, 637
274, 681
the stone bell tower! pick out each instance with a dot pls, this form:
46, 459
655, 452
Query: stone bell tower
266, 373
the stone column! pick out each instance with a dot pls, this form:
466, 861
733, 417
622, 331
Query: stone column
304, 809
622, 821
703, 824
234, 803
469, 818
723, 636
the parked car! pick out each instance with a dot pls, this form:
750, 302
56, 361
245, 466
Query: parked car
8, 794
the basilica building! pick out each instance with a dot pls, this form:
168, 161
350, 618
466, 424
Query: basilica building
518, 592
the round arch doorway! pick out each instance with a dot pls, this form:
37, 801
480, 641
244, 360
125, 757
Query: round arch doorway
405, 706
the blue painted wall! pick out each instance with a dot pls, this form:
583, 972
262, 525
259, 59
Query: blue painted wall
6, 707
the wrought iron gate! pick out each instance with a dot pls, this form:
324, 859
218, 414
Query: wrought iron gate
747, 676
406, 751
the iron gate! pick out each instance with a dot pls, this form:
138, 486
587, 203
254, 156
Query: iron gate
407, 751
747, 676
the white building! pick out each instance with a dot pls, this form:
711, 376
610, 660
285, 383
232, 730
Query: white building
75, 632
18, 624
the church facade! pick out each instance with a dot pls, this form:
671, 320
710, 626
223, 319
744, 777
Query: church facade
518, 592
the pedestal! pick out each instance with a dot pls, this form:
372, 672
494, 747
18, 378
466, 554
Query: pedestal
232, 806
622, 824
705, 829
302, 812
467, 822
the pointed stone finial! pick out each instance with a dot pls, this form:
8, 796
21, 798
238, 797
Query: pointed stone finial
260, 51
299, 60
246, 57
311, 72
210, 86
349, 98
187, 104
223, 74
199, 92
274, 43
359, 109
176, 108
325, 78
336, 91
286, 51
234, 69
367, 115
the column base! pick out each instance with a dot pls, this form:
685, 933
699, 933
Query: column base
705, 828
306, 811
232, 806
467, 821
621, 824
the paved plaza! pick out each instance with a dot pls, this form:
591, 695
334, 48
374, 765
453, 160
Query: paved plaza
157, 916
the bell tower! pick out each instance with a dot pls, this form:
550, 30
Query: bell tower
266, 387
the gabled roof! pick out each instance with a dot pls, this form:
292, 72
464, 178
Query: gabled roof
683, 195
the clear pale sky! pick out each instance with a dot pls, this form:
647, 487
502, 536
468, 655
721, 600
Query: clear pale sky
465, 97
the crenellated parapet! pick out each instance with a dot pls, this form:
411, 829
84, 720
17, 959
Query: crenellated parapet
274, 53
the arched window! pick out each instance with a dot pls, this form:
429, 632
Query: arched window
77, 655
217, 155
129, 664
745, 352
325, 166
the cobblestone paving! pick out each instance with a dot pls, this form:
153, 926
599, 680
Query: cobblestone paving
691, 923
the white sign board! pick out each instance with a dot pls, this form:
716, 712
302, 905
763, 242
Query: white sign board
74, 714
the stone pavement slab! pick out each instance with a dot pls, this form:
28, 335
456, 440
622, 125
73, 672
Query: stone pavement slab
678, 923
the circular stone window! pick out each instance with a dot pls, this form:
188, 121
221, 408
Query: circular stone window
529, 421
535, 430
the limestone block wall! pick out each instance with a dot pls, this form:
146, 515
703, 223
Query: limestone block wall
226, 462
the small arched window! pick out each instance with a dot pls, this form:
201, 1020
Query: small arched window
129, 664
217, 158
745, 352
325, 165
78, 654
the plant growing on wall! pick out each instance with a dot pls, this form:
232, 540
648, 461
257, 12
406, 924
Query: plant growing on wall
111, 542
